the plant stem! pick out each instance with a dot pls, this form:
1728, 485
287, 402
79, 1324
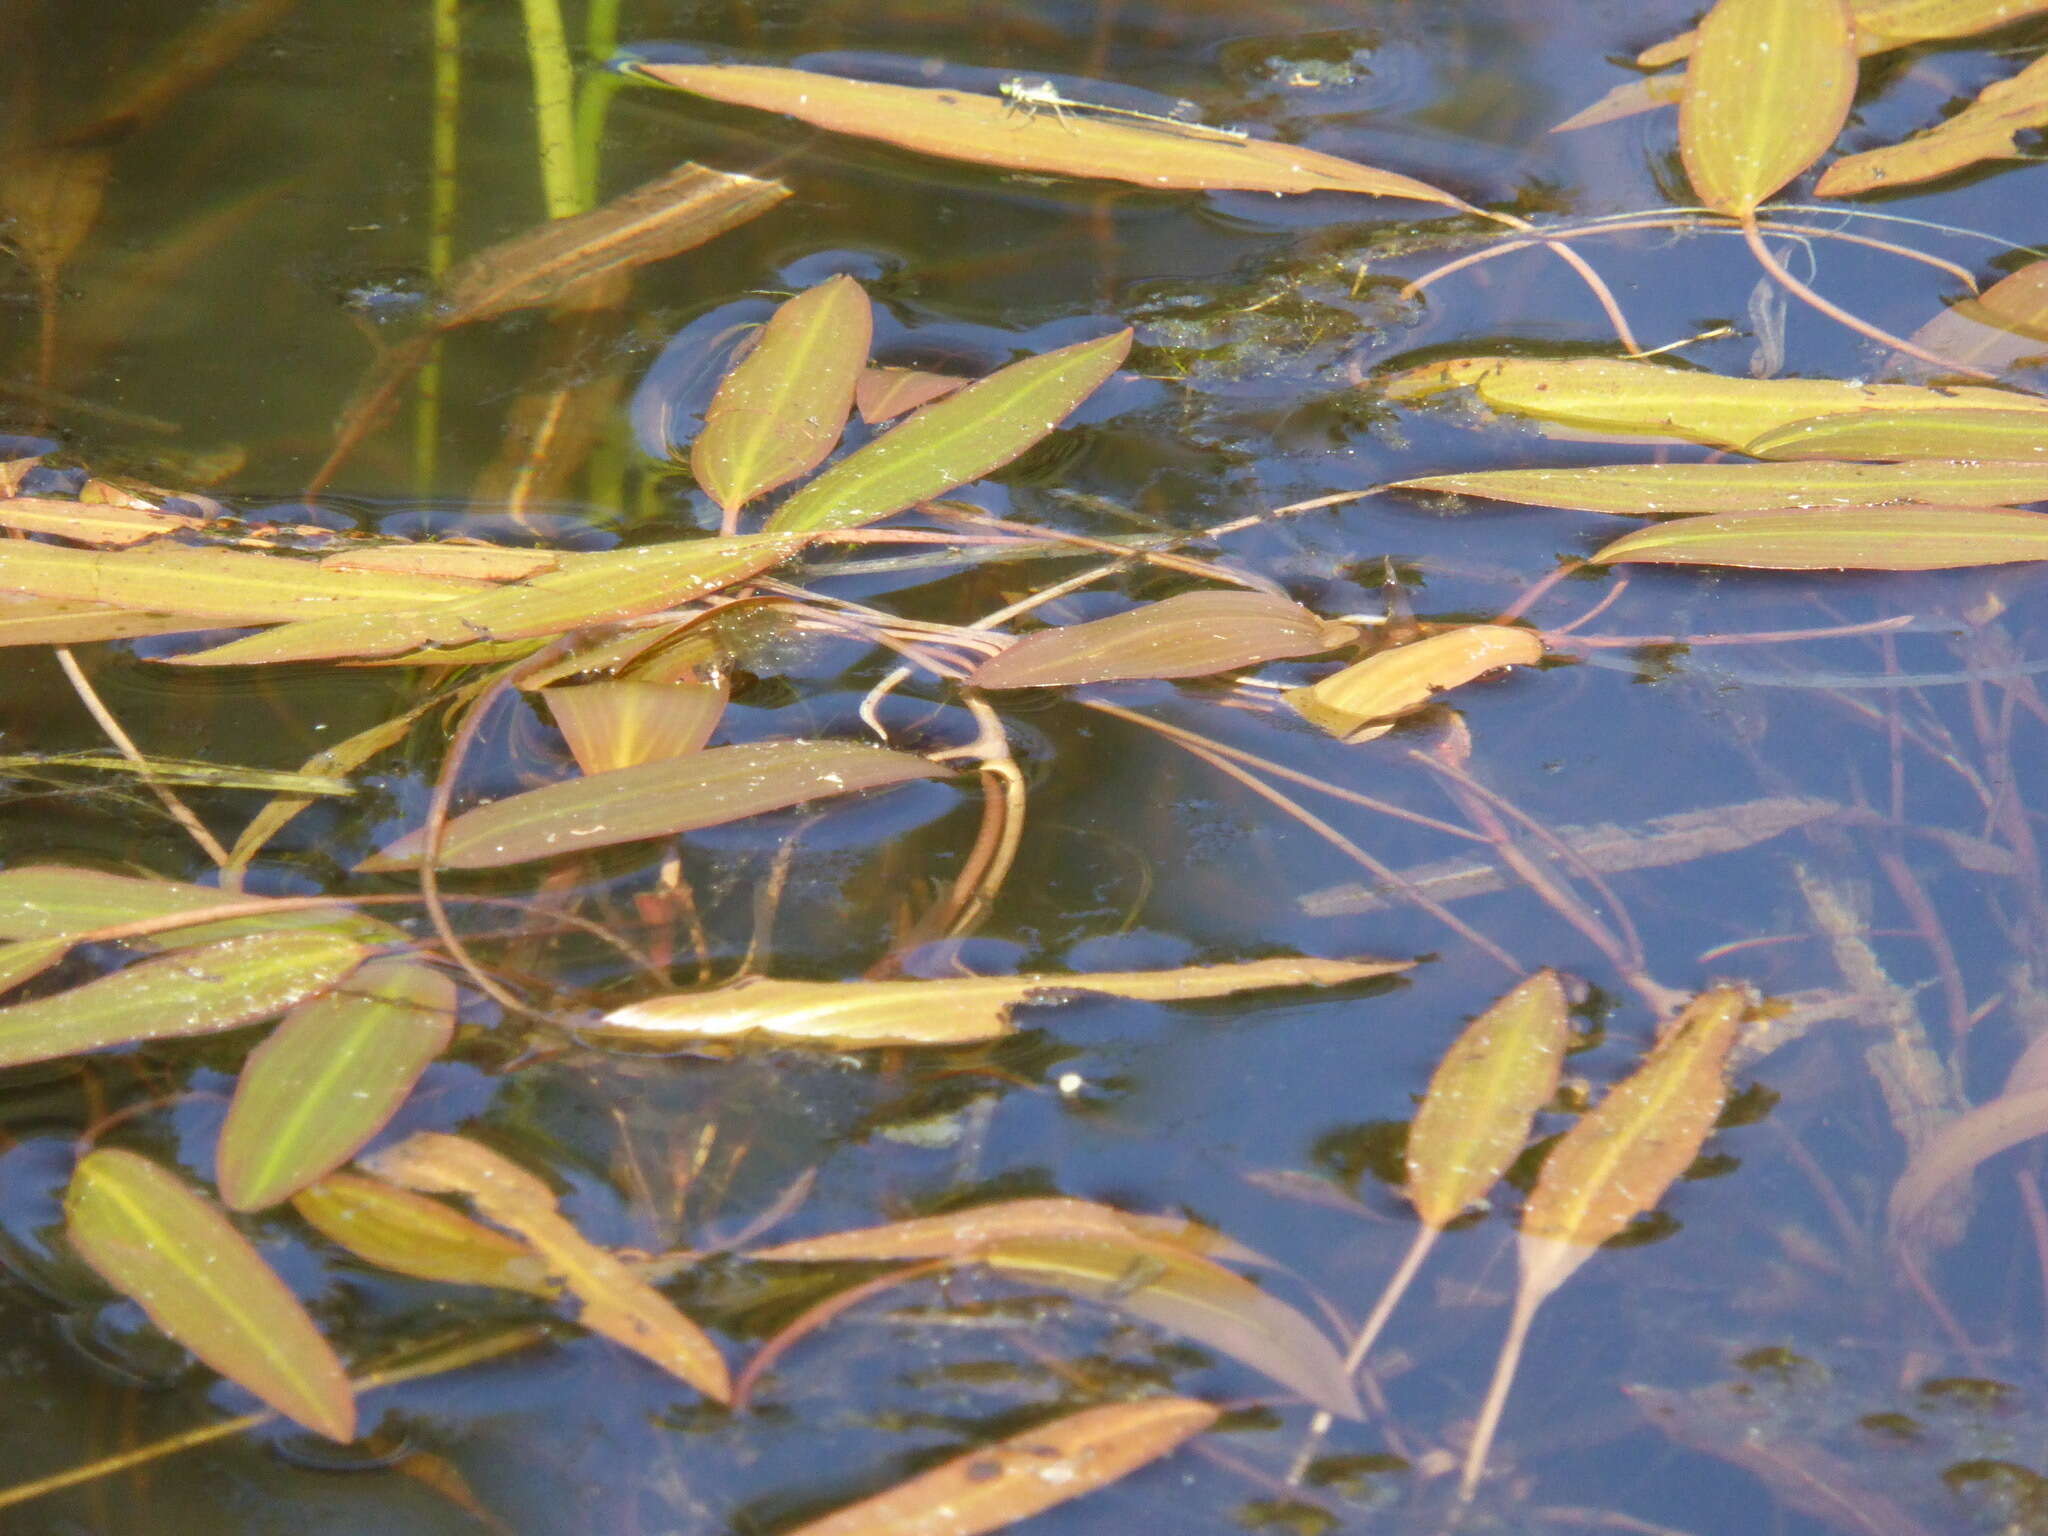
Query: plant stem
554, 106
447, 99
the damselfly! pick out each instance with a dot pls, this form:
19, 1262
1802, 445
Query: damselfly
1031, 97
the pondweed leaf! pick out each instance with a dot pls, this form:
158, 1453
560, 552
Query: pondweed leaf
192, 992
947, 1011
621, 724
414, 1234
998, 1485
1683, 490
615, 1302
659, 799
779, 411
955, 440
41, 621
1767, 89
2009, 436
51, 198
1948, 1158
1987, 129
883, 394
24, 958
1192, 635
1841, 539
50, 901
988, 130
329, 1077
2003, 327
1358, 703
1615, 395
461, 562
100, 526
964, 1234
155, 1241
1885, 24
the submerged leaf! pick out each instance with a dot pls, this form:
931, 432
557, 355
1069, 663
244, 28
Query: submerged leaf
1944, 1162
1192, 635
948, 1011
50, 198
659, 799
779, 411
988, 130
152, 1239
412, 1234
2008, 435
620, 724
329, 1077
1668, 490
1766, 91
2003, 327
997, 1485
955, 440
1987, 129
50, 901
1841, 539
968, 1232
1354, 704
883, 394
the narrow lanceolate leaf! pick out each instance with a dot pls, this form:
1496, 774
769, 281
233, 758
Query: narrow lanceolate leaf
661, 218
620, 724
997, 1485
329, 1077
103, 527
950, 1011
1613, 395
1631, 1147
1941, 1167
627, 805
1684, 490
594, 589
964, 1234
883, 394
193, 992
2005, 326
1987, 129
615, 1302
2007, 435
955, 440
1192, 635
42, 621
1767, 90
1357, 703
1885, 24
50, 901
1188, 1294
51, 198
29, 957
414, 1234
1483, 1098
778, 413
155, 1241
987, 130
1841, 539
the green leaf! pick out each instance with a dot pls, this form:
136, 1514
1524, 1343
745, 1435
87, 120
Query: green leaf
955, 440
28, 957
108, 527
192, 992
44, 621
777, 414
883, 394
329, 1078
619, 724
1767, 90
1841, 539
1672, 490
627, 805
152, 1239
52, 901
1357, 703
414, 1234
1987, 129
2008, 435
1192, 635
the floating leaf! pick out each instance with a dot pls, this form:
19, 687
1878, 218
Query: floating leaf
988, 130
102, 526
152, 1239
328, 1079
1987, 129
1628, 99
1355, 704
950, 1011
1666, 490
969, 1232
1612, 395
461, 562
52, 901
615, 1302
627, 805
24, 958
1767, 90
777, 414
595, 589
193, 992
1188, 1294
413, 1234
1192, 635
998, 1485
883, 394
617, 724
1885, 24
955, 440
2007, 435
1841, 539
2002, 327
41, 621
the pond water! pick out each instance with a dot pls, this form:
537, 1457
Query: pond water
1847, 823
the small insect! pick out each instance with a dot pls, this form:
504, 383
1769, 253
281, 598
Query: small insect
1030, 97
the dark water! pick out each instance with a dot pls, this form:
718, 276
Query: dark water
1760, 1365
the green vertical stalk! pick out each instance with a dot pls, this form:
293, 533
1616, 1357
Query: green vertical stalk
600, 42
447, 103
554, 106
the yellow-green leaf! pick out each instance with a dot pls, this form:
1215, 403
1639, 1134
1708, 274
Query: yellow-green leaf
1882, 25
988, 130
413, 1234
104, 526
1678, 490
1767, 90
45, 621
2008, 435
947, 1011
193, 992
53, 901
1841, 539
28, 957
1192, 635
883, 394
329, 1077
1987, 129
2000, 328
994, 1486
618, 724
154, 1240
955, 440
778, 413
1356, 703
659, 799
971, 1231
